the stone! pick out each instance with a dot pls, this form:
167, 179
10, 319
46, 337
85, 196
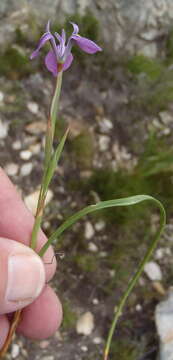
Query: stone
84, 348
1, 96
166, 117
105, 125
85, 324
33, 107
166, 131
32, 199
153, 271
100, 225
149, 35
11, 169
138, 307
149, 50
44, 344
17, 145
92, 247
95, 301
164, 325
3, 129
15, 350
35, 148
25, 154
104, 142
36, 128
97, 340
26, 169
89, 230
157, 285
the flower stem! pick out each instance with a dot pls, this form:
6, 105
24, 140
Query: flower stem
48, 154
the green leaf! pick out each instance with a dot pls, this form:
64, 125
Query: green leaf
53, 163
132, 200
115, 203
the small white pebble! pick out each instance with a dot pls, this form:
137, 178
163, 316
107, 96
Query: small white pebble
97, 340
112, 273
33, 107
24, 353
46, 225
138, 307
1, 96
105, 125
44, 344
3, 130
84, 348
100, 225
85, 324
17, 145
159, 253
25, 154
95, 301
35, 148
12, 169
15, 351
26, 169
92, 247
104, 141
153, 271
103, 254
166, 131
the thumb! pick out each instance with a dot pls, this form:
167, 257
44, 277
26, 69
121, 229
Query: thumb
22, 275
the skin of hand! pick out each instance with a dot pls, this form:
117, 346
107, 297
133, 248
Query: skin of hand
23, 274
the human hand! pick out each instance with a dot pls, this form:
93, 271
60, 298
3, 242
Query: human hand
23, 275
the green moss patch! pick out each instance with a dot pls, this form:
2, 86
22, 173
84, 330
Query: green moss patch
14, 63
82, 147
142, 64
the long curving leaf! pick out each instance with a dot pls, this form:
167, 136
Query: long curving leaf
115, 203
132, 200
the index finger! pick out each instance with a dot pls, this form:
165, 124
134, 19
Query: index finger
16, 221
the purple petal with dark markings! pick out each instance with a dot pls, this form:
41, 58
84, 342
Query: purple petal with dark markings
51, 62
86, 45
68, 62
45, 37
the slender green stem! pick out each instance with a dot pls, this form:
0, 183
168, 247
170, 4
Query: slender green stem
48, 154
52, 120
135, 278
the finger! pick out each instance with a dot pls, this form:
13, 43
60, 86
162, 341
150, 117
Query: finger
16, 221
43, 317
22, 275
4, 329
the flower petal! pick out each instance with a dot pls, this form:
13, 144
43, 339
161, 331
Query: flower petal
86, 45
51, 62
63, 35
68, 62
61, 47
45, 37
75, 28
48, 26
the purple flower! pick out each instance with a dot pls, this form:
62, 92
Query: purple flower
59, 58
